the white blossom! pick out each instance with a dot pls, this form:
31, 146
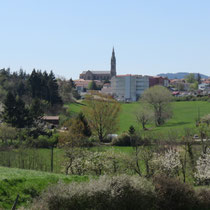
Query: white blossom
169, 163
202, 175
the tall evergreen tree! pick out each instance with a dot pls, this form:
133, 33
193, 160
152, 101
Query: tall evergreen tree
54, 97
15, 112
199, 78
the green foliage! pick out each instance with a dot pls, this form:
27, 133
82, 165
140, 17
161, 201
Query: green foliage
28, 184
44, 86
36, 109
158, 98
184, 114
92, 86
190, 78
131, 130
199, 78
15, 112
7, 133
86, 130
101, 112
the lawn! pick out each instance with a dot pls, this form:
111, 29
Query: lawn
184, 115
28, 184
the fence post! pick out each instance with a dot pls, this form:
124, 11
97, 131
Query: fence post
52, 158
15, 203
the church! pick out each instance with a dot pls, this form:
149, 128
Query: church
101, 75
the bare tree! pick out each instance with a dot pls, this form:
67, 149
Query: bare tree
144, 116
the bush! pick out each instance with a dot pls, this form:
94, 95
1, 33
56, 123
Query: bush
172, 194
123, 140
120, 192
203, 197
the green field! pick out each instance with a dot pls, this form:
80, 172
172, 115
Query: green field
28, 184
184, 115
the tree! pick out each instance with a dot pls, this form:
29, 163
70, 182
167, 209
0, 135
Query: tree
92, 85
101, 112
36, 110
190, 78
144, 116
15, 112
194, 86
169, 163
158, 98
74, 136
86, 129
199, 78
203, 168
7, 133
131, 130
54, 97
65, 90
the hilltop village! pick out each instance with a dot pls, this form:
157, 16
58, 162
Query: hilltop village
129, 88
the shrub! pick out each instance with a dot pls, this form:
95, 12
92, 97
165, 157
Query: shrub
172, 194
122, 140
120, 192
203, 197
202, 176
83, 161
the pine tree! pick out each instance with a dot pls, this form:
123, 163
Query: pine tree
54, 97
131, 130
199, 78
15, 112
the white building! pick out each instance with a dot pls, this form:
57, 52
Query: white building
129, 87
203, 86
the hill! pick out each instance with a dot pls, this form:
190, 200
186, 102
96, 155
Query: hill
180, 75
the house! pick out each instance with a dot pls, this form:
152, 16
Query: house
53, 120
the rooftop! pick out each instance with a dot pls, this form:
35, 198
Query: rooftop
97, 72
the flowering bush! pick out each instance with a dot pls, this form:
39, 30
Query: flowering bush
169, 163
202, 176
119, 192
84, 161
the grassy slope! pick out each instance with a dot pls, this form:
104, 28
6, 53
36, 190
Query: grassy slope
28, 184
184, 115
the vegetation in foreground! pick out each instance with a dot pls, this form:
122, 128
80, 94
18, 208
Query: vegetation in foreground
28, 184
124, 192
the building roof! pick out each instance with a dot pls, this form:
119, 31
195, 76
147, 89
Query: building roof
82, 82
50, 117
128, 75
97, 72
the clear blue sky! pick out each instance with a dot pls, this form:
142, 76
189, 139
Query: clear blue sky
69, 36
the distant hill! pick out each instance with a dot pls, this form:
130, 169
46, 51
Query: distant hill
180, 75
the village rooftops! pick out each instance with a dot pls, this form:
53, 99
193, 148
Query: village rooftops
97, 72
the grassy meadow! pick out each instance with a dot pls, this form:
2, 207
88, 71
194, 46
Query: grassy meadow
184, 115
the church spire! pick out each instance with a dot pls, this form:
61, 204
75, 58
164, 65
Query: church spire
113, 64
113, 53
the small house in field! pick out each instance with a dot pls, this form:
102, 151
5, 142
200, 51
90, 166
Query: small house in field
54, 120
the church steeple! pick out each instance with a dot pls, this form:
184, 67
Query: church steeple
113, 64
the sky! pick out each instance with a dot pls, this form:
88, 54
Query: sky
71, 36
